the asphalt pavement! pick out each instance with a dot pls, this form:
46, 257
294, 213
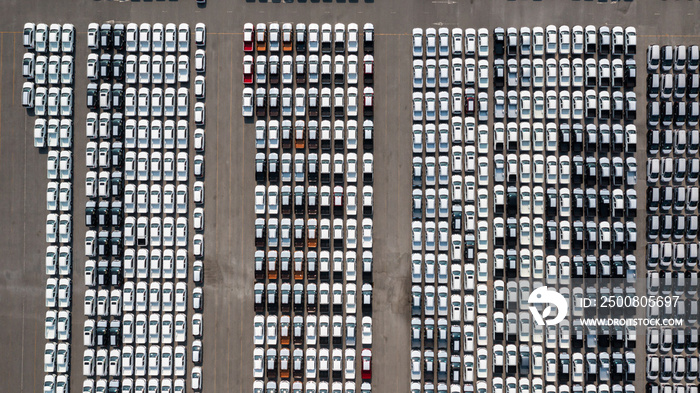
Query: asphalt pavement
228, 317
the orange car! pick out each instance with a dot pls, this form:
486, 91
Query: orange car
311, 233
261, 37
287, 34
298, 265
284, 363
299, 131
272, 265
285, 321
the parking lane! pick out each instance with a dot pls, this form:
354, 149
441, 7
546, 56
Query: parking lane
21, 293
392, 200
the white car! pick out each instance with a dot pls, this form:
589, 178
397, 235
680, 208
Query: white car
199, 113
367, 233
200, 60
200, 34
247, 102
183, 37
199, 86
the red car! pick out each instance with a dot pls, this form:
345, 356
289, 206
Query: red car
366, 364
248, 37
469, 101
247, 69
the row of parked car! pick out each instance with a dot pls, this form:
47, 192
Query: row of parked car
678, 86
314, 265
53, 69
144, 38
326, 135
520, 361
662, 199
677, 142
309, 233
54, 38
342, 101
326, 69
535, 42
513, 382
509, 263
672, 340
536, 74
132, 69
677, 114
300, 364
676, 170
339, 298
528, 168
166, 360
310, 198
552, 235
539, 106
298, 167
326, 38
145, 102
539, 137
677, 58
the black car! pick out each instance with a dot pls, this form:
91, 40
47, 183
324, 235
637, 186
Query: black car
116, 273
117, 125
368, 38
311, 272
511, 231
498, 73
577, 202
105, 36
273, 167
577, 235
115, 333
630, 73
118, 96
457, 218
564, 138
116, 155
577, 138
551, 202
260, 167
498, 41
604, 203
116, 214
564, 367
90, 214
105, 66
118, 67
511, 201
367, 135
551, 234
260, 232
118, 35
92, 96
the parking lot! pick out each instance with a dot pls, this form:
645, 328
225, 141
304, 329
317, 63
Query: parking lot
230, 154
